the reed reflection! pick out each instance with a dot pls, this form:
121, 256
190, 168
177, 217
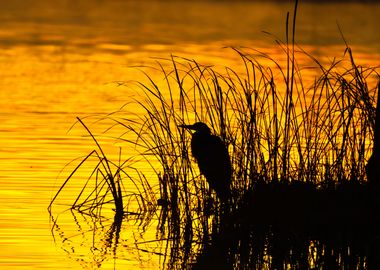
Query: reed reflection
93, 243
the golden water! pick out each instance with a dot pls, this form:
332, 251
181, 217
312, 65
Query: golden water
63, 60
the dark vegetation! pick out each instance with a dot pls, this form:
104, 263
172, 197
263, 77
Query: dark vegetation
300, 198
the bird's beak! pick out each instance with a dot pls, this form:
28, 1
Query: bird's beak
187, 127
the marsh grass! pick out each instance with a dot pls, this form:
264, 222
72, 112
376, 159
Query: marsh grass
319, 135
290, 141
279, 132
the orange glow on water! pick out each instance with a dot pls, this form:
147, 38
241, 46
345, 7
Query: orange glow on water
61, 63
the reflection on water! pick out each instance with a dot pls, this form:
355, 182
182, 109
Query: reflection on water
65, 60
105, 243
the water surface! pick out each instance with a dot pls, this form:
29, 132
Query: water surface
65, 60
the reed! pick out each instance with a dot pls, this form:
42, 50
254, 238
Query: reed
319, 135
280, 133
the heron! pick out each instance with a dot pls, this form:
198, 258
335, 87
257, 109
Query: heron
212, 157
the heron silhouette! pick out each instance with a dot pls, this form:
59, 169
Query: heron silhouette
212, 157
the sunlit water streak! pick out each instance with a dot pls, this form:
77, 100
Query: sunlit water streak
57, 63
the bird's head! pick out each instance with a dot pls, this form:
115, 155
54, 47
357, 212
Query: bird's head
198, 127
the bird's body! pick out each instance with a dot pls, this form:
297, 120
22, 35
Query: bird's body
212, 157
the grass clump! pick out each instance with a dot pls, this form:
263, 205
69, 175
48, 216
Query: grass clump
291, 144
